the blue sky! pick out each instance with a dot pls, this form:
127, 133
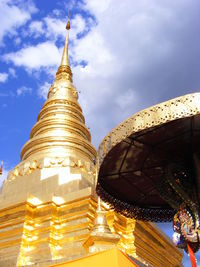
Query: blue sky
125, 56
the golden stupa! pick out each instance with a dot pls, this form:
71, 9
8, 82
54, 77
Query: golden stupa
48, 202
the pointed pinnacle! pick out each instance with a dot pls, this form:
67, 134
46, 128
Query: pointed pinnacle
65, 56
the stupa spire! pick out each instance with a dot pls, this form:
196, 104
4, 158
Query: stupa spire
100, 237
65, 56
60, 130
64, 70
100, 223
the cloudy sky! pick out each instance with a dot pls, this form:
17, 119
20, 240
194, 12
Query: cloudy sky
125, 56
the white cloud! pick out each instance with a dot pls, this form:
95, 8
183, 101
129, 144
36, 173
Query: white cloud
57, 12
96, 6
46, 54
34, 57
24, 90
126, 99
36, 28
53, 27
17, 41
3, 77
43, 90
12, 72
93, 49
13, 15
78, 25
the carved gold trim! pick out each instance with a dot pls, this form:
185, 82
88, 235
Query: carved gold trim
28, 166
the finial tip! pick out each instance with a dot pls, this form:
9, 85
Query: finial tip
1, 168
68, 25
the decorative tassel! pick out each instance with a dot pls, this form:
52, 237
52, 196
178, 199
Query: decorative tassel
192, 256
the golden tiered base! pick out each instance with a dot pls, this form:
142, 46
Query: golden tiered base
45, 233
48, 233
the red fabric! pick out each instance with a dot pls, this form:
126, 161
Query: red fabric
192, 256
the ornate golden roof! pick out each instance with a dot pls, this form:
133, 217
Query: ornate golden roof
177, 108
136, 156
60, 130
